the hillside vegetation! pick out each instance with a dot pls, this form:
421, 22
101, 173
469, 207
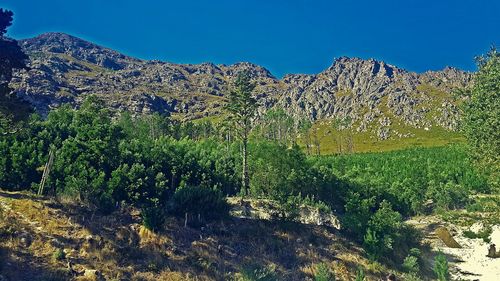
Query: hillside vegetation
164, 169
127, 189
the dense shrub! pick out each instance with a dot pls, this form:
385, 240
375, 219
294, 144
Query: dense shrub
448, 195
383, 231
407, 178
156, 164
277, 171
441, 267
480, 119
207, 202
323, 273
152, 217
360, 275
410, 264
375, 191
101, 162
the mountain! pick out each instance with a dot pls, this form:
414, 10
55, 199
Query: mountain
374, 95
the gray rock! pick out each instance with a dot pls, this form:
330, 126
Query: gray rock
64, 69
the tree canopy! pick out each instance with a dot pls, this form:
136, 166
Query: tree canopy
481, 122
12, 109
5, 20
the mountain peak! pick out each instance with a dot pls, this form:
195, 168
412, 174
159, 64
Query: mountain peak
355, 65
254, 70
61, 72
57, 39
62, 43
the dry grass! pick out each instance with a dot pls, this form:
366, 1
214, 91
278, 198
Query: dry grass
120, 249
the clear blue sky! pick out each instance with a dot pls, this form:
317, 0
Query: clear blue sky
285, 36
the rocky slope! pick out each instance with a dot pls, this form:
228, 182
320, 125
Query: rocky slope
372, 94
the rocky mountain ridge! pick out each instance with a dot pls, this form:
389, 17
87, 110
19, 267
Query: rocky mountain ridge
371, 94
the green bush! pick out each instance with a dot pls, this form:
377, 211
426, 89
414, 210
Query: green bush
373, 245
277, 171
58, 255
385, 228
441, 267
410, 264
484, 205
258, 273
449, 195
406, 178
323, 273
416, 253
207, 202
483, 234
360, 275
480, 122
152, 217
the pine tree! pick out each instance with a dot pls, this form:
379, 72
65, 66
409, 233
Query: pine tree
241, 107
5, 20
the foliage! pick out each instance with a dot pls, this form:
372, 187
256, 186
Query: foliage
407, 179
373, 245
98, 162
157, 164
12, 109
241, 108
441, 267
152, 217
258, 273
58, 255
448, 195
277, 171
410, 264
375, 191
480, 119
411, 277
207, 202
360, 275
383, 230
484, 234
278, 127
487, 204
323, 273
5, 20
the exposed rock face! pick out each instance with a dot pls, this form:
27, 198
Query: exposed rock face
371, 94
368, 90
263, 209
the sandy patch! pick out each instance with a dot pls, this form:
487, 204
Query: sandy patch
471, 262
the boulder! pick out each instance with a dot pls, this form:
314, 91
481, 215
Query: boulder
444, 234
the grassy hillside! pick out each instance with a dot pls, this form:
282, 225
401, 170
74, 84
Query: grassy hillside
368, 142
39, 236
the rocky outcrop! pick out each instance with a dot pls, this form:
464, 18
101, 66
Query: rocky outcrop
372, 95
263, 209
